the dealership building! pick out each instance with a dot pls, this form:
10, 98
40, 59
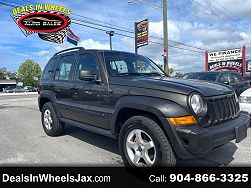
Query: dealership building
4, 83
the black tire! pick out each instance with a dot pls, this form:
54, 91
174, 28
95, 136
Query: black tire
165, 156
57, 127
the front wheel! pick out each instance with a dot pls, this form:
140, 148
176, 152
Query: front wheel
144, 144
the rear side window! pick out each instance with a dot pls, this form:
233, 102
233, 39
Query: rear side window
48, 70
65, 67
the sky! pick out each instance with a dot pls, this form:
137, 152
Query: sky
203, 24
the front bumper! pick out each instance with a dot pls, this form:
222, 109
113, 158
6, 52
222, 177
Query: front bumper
192, 141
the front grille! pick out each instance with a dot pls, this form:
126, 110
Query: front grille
222, 109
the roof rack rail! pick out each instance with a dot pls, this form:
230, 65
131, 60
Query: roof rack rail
75, 48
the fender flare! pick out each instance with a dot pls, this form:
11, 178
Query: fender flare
52, 98
161, 108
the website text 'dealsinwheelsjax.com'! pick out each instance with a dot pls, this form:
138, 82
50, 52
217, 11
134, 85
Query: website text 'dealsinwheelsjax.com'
49, 178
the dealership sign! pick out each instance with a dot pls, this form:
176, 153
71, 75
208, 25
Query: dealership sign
141, 33
233, 59
51, 22
248, 66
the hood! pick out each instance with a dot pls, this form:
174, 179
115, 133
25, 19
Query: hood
175, 85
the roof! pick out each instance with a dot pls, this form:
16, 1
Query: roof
69, 50
5, 81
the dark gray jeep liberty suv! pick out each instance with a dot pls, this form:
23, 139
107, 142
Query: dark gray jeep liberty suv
124, 95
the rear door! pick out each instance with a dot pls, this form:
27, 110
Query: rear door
61, 83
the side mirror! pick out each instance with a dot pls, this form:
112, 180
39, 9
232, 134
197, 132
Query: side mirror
226, 82
87, 75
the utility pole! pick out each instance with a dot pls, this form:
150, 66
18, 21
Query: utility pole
165, 36
110, 33
135, 40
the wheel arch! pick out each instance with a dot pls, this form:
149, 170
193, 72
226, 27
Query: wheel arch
154, 108
48, 96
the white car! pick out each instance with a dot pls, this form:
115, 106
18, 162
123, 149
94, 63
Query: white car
245, 100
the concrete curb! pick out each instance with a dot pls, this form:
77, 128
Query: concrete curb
14, 94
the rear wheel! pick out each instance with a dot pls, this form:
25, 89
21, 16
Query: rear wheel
51, 124
143, 143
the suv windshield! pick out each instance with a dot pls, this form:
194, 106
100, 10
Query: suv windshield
208, 76
122, 63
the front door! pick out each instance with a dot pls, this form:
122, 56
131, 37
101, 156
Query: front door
89, 98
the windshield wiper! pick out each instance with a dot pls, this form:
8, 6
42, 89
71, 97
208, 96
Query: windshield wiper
154, 73
129, 73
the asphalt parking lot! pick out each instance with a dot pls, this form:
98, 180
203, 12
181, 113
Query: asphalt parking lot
24, 143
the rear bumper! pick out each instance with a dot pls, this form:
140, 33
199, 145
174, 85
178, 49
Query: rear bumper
192, 141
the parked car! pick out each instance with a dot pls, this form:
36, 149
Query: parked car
245, 100
18, 90
8, 90
30, 89
127, 96
248, 79
224, 77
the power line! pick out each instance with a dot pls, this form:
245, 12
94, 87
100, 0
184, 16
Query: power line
215, 14
7, 4
225, 9
180, 43
176, 42
86, 21
153, 42
230, 17
158, 7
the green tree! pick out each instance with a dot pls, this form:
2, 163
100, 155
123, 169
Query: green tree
29, 72
169, 71
179, 74
3, 73
6, 74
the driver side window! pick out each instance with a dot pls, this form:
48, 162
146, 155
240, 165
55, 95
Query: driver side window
87, 61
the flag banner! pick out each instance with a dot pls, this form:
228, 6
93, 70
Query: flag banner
56, 37
72, 38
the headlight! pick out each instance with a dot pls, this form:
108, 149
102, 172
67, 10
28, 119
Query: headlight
244, 99
198, 105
